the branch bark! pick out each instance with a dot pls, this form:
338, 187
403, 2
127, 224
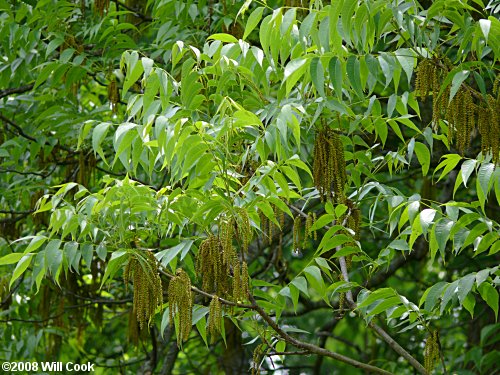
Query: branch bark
16, 90
20, 131
379, 330
310, 347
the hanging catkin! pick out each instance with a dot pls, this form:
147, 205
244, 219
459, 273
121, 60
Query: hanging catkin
431, 351
467, 110
142, 269
329, 165
181, 304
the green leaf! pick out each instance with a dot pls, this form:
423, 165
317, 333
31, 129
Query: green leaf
345, 251
485, 26
322, 221
122, 141
469, 303
226, 38
485, 242
484, 176
466, 169
201, 325
295, 161
134, 71
314, 277
490, 295
333, 242
335, 70
166, 256
426, 218
53, 45
317, 76
406, 58
53, 256
23, 264
423, 156
348, 8
379, 294
294, 70
253, 20
165, 320
98, 136
354, 75
457, 81
449, 293
11, 258
301, 283
116, 261
384, 305
490, 334
465, 285
87, 250
450, 162
399, 245
432, 295
387, 65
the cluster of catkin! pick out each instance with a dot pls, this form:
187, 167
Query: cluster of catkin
299, 242
113, 94
101, 6
142, 269
180, 302
329, 172
467, 110
221, 270
431, 351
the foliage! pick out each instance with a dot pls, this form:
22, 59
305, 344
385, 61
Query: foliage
304, 186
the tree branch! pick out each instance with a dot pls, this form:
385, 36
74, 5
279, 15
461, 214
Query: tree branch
310, 347
17, 127
16, 90
297, 343
142, 16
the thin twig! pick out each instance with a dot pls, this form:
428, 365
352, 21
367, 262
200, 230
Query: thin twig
16, 90
310, 347
17, 127
303, 352
379, 330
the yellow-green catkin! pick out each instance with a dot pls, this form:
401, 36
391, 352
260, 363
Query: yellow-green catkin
244, 282
226, 235
329, 165
297, 223
430, 73
489, 126
113, 94
209, 263
237, 281
142, 269
281, 220
240, 282
214, 318
257, 358
431, 351
423, 82
181, 304
341, 303
244, 228
309, 233
100, 6
461, 117
133, 328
